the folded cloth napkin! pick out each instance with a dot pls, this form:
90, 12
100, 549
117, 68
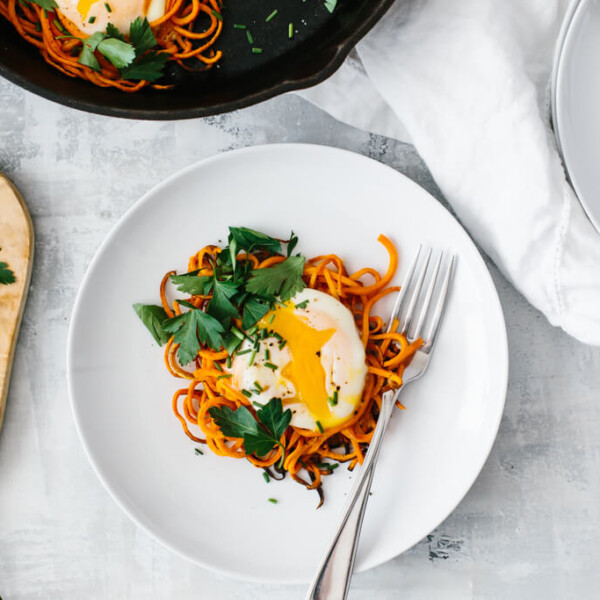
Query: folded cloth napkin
466, 82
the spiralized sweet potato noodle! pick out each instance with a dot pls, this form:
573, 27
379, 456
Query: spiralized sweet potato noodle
305, 451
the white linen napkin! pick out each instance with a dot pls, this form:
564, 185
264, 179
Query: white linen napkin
466, 82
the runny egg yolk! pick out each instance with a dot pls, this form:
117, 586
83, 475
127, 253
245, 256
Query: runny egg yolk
304, 370
312, 358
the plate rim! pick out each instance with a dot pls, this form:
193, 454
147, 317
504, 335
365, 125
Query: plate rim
503, 367
568, 29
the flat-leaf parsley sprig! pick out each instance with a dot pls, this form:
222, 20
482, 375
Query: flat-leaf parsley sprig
228, 302
134, 59
6, 275
261, 433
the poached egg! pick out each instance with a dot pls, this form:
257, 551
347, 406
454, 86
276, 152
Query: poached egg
311, 357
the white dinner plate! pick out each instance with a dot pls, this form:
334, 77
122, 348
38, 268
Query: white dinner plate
576, 102
215, 511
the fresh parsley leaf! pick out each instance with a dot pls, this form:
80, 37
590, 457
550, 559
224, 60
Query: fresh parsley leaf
120, 54
113, 32
6, 275
149, 67
220, 306
259, 436
87, 56
153, 317
254, 311
252, 240
231, 342
292, 243
283, 280
193, 284
141, 35
274, 418
330, 5
48, 5
192, 328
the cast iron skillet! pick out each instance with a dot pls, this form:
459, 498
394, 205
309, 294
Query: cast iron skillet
321, 42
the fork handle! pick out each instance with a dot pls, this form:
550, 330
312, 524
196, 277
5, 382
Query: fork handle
334, 573
332, 581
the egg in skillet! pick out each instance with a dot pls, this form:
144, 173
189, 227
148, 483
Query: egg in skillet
91, 16
311, 356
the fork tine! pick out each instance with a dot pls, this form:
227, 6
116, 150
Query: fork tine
406, 321
441, 303
427, 300
405, 285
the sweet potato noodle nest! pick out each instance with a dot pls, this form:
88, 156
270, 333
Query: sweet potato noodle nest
186, 33
304, 451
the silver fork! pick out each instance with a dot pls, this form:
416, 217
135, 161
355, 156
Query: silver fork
419, 313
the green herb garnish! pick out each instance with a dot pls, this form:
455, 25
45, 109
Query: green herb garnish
283, 279
271, 16
261, 433
291, 31
257, 50
47, 5
131, 58
153, 317
319, 426
6, 275
198, 451
272, 500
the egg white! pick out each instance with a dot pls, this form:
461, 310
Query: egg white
342, 358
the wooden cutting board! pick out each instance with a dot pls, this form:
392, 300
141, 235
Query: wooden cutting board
16, 249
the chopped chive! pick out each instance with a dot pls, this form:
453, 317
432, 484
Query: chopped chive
270, 365
267, 354
328, 466
218, 15
241, 352
256, 50
228, 362
334, 399
277, 337
263, 333
282, 344
302, 304
258, 405
247, 393
249, 36
238, 26
238, 334
319, 426
258, 386
271, 16
272, 501
218, 367
198, 451
108, 8
59, 26
225, 376
92, 20
252, 357
266, 477
252, 330
271, 318
291, 30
